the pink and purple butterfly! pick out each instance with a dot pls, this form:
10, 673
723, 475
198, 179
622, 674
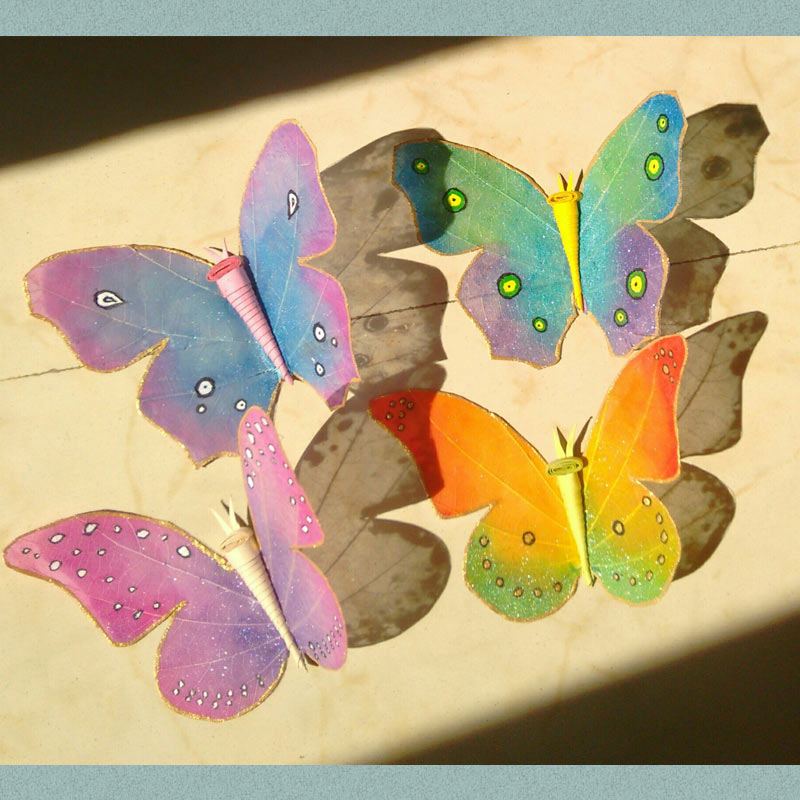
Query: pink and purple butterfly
218, 349
222, 654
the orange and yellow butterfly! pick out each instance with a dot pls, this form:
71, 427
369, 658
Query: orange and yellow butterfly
546, 526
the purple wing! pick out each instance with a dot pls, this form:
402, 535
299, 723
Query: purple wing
219, 658
286, 219
283, 520
116, 304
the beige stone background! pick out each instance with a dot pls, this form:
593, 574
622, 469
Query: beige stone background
72, 439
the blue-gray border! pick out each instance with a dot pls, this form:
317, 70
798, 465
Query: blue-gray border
421, 783
399, 17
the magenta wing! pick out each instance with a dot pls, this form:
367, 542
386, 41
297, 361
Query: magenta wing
286, 219
283, 520
220, 657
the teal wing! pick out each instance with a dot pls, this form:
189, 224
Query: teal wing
633, 178
518, 288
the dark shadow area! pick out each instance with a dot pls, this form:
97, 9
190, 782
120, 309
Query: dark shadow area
386, 574
733, 703
60, 93
709, 415
717, 179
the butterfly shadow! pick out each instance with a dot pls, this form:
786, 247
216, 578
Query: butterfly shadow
387, 574
717, 172
709, 416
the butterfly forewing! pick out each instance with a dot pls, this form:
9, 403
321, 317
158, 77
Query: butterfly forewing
634, 177
131, 572
519, 289
521, 559
633, 543
285, 219
115, 304
283, 520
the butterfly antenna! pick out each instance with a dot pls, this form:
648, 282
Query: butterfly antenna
558, 439
580, 180
223, 523
225, 252
563, 181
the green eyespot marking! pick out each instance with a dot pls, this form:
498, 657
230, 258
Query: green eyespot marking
420, 166
454, 200
509, 285
637, 283
662, 123
621, 317
653, 166
540, 324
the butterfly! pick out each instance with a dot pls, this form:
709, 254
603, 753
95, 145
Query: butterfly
546, 527
545, 258
218, 348
233, 628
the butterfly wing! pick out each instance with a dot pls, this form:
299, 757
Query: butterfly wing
283, 519
521, 559
634, 177
518, 290
117, 304
286, 219
220, 657
633, 542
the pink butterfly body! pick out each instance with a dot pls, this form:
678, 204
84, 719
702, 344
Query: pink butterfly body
221, 655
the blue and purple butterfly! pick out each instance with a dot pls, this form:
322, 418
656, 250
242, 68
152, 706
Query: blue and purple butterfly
218, 349
542, 259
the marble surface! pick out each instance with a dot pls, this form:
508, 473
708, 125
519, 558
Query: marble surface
73, 439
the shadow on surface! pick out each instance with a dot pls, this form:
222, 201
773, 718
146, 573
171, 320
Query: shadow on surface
60, 93
733, 703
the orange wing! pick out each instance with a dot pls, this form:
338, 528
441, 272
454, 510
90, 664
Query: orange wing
633, 543
521, 559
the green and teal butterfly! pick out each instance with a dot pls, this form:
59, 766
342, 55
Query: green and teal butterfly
545, 258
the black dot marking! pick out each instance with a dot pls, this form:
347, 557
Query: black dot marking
241, 404
117, 606
205, 387
107, 299
89, 528
319, 369
664, 537
500, 582
654, 166
56, 538
509, 285
292, 203
101, 551
54, 565
410, 405
557, 586
25, 550
528, 538
389, 415
537, 592
319, 332
484, 540
486, 564
661, 559
618, 527
518, 591
633, 581
662, 123
646, 501
615, 576
183, 551
401, 427
454, 200
81, 573
201, 409
659, 518
649, 575
142, 533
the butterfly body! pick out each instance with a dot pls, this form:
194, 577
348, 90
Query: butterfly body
226, 647
218, 350
548, 523
543, 259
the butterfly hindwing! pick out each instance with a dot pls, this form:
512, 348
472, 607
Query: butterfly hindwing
283, 520
518, 290
220, 656
521, 559
286, 219
116, 304
633, 543
633, 178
